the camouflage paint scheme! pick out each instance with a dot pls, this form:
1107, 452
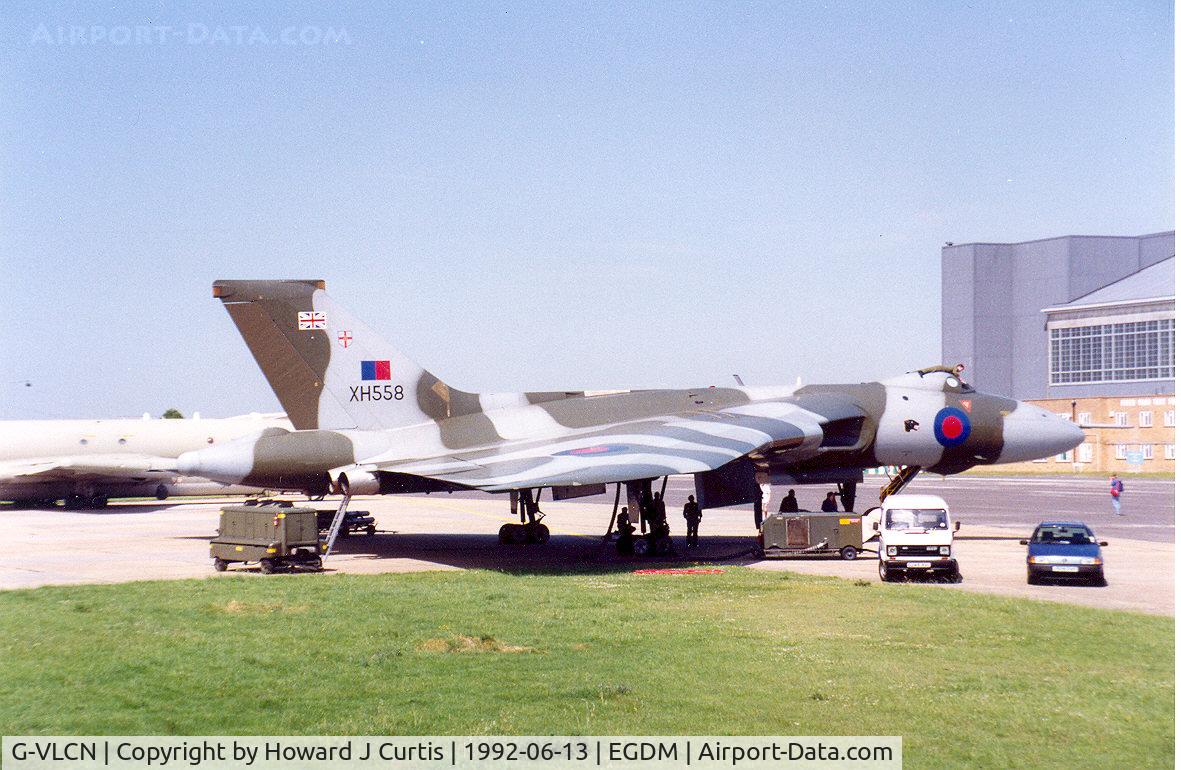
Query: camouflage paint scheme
369, 420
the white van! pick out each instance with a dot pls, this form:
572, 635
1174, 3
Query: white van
916, 538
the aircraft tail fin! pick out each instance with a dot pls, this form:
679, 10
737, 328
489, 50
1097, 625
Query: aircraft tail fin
328, 369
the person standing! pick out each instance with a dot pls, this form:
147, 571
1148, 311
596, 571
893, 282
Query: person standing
789, 504
830, 503
1117, 491
659, 513
625, 545
692, 519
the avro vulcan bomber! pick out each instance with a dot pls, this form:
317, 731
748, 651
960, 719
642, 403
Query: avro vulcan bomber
368, 420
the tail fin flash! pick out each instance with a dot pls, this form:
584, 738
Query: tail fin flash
329, 370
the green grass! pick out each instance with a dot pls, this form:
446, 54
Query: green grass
966, 679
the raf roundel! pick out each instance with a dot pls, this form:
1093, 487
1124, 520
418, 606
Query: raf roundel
952, 426
591, 451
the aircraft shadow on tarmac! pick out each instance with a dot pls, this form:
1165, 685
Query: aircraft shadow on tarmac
563, 554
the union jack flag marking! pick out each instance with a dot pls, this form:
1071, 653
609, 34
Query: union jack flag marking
309, 320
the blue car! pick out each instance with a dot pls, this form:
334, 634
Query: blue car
1064, 550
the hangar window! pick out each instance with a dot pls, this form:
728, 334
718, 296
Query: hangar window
1141, 350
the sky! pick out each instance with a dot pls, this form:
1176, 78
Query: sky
551, 195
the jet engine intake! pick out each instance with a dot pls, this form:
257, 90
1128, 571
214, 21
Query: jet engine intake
355, 481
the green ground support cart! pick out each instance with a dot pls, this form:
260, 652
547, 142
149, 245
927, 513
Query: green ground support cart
811, 534
277, 536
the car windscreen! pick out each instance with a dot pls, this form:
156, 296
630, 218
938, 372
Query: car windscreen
1073, 535
916, 518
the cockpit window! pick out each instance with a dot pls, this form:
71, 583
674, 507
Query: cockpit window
955, 383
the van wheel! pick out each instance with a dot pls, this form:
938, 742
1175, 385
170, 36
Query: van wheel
267, 566
220, 565
848, 553
884, 573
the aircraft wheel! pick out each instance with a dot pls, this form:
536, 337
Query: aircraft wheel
848, 553
371, 530
220, 565
316, 563
663, 546
641, 547
540, 534
97, 502
505, 535
267, 566
518, 535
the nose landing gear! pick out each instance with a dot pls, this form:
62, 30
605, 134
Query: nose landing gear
530, 530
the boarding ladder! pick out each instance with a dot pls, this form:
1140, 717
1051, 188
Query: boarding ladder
337, 522
905, 475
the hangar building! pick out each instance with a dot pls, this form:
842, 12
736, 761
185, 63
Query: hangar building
1085, 326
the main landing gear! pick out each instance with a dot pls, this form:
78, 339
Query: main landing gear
525, 504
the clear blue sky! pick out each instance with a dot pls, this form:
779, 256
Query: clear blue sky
582, 195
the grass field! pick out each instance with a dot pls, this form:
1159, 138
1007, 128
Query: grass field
966, 679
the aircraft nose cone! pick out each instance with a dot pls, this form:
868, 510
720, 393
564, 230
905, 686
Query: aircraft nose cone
1031, 433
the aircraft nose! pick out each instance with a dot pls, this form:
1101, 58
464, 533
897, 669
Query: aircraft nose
1031, 433
228, 462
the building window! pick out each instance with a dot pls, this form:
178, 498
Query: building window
1084, 418
1146, 419
1170, 451
1066, 457
1084, 453
1170, 419
1121, 451
1146, 450
1121, 418
1140, 350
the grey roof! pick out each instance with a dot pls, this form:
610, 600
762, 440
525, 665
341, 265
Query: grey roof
1153, 282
